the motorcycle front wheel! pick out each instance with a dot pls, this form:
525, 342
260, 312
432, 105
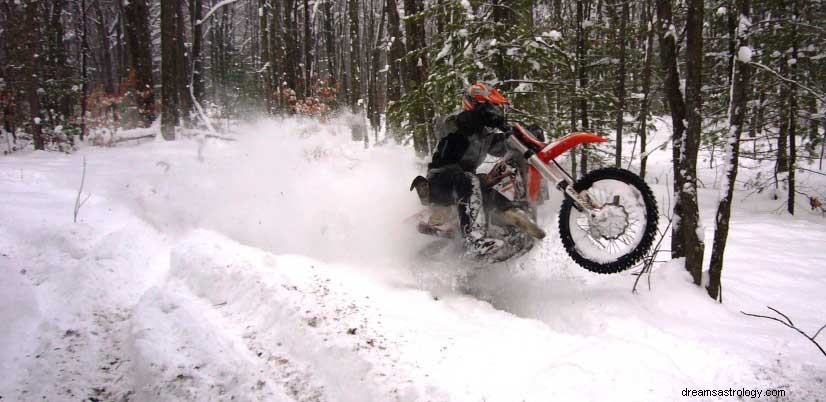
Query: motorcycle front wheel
619, 231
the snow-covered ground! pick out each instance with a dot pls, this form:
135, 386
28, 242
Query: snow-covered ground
279, 267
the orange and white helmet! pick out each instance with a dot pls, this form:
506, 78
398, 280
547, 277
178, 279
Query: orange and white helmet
481, 93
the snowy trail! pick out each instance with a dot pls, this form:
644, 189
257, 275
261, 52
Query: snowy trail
278, 268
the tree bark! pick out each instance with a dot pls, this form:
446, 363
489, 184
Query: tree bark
793, 112
395, 72
646, 85
106, 55
290, 44
31, 17
277, 55
621, 82
668, 59
139, 43
196, 8
582, 79
693, 242
329, 42
416, 72
84, 65
740, 79
185, 106
265, 62
169, 88
308, 49
375, 113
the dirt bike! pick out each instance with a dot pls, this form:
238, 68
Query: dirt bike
607, 221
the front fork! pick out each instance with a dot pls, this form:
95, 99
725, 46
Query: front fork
555, 174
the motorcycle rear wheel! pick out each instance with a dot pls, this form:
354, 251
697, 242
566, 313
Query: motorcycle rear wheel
622, 231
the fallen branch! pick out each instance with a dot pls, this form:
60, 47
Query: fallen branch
140, 137
791, 325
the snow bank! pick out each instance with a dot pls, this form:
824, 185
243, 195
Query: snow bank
278, 267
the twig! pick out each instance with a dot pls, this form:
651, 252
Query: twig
651, 258
791, 325
78, 202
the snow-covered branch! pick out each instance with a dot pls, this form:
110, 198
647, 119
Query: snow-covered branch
814, 93
214, 9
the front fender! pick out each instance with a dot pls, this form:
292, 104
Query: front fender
558, 147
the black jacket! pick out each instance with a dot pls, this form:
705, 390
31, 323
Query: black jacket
466, 139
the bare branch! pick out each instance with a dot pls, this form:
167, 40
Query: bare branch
78, 203
814, 93
790, 325
784, 315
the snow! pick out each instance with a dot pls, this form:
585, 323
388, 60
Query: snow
278, 267
468, 8
553, 34
744, 54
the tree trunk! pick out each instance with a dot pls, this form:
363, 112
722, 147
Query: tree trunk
185, 106
84, 65
277, 56
375, 113
693, 242
290, 44
621, 82
355, 94
32, 21
416, 72
793, 112
741, 76
582, 79
671, 80
140, 56
106, 55
329, 42
783, 134
646, 85
266, 64
355, 56
169, 88
197, 40
308, 49
395, 72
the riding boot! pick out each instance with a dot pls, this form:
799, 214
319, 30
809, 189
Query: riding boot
473, 219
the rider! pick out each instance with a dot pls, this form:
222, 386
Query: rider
466, 139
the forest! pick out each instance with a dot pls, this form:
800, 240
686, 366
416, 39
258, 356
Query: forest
212, 200
729, 73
